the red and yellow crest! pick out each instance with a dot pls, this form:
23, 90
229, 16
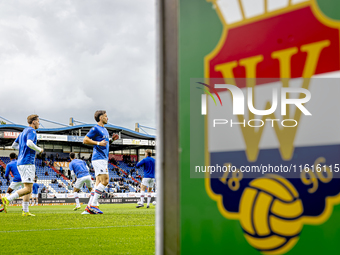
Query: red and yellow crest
282, 44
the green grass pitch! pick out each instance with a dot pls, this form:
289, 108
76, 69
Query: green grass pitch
122, 229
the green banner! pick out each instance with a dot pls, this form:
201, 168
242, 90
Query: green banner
269, 214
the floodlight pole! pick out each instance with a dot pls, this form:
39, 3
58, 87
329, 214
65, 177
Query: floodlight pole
7, 120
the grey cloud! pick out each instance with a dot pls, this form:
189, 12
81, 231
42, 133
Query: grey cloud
69, 58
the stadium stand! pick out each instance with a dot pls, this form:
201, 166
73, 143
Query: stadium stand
124, 177
59, 141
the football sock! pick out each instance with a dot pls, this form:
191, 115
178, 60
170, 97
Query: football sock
32, 203
149, 198
142, 197
91, 197
99, 190
25, 206
13, 196
76, 197
95, 204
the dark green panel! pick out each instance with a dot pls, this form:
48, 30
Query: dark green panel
331, 8
203, 228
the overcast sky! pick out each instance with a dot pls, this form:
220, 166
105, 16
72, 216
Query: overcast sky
62, 59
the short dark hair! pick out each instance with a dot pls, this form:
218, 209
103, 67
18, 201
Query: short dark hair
13, 155
32, 118
98, 113
149, 153
35, 180
72, 155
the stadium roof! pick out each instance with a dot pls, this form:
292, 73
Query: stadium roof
129, 139
84, 128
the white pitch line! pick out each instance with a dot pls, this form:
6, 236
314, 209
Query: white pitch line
56, 229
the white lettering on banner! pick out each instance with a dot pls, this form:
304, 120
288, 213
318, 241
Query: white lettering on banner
127, 141
144, 142
138, 142
61, 195
50, 137
11, 134
72, 138
152, 142
61, 164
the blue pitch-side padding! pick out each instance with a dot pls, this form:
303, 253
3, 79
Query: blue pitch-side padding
313, 203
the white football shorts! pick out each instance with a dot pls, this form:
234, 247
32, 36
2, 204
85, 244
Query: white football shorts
100, 166
16, 185
80, 182
148, 182
34, 195
27, 173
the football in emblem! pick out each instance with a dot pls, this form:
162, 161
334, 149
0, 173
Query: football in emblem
270, 209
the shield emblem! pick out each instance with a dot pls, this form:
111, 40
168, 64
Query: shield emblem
297, 182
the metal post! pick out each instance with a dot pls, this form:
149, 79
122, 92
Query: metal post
167, 158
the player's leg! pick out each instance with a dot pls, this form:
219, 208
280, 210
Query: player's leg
149, 197
150, 183
142, 195
90, 199
13, 186
79, 183
88, 207
27, 173
91, 189
89, 184
76, 198
155, 193
10, 196
33, 201
25, 203
102, 181
94, 192
9, 191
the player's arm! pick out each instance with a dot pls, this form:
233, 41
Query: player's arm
73, 175
140, 163
32, 146
114, 138
31, 136
7, 171
89, 141
15, 144
92, 134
